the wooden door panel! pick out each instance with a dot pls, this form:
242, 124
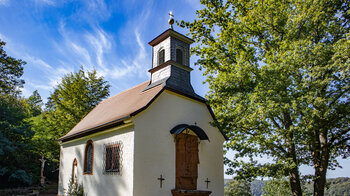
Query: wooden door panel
186, 162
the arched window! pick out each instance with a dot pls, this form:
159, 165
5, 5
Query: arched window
75, 164
179, 56
161, 54
89, 157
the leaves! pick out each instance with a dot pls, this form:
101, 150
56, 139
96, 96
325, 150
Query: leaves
278, 74
11, 70
237, 188
76, 95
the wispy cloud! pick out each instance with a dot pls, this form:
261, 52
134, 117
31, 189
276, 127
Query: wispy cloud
195, 4
38, 62
52, 74
101, 43
4, 38
135, 66
40, 86
45, 2
4, 2
83, 53
94, 10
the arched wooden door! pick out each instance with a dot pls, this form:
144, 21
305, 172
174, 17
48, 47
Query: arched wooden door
186, 161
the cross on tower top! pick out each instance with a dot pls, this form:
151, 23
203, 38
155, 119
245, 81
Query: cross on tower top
171, 20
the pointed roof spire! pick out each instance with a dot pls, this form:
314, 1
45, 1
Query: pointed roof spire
171, 20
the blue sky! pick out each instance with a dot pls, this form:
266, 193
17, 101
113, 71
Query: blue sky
57, 37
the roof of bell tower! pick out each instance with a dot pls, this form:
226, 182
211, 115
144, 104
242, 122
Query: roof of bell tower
168, 33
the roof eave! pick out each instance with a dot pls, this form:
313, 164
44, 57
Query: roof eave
111, 124
170, 32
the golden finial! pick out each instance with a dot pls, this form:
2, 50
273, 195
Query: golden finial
171, 20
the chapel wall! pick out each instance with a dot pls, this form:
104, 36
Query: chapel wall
155, 146
100, 182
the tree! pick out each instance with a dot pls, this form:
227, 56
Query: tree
11, 70
76, 95
45, 146
35, 104
74, 187
276, 187
15, 130
278, 73
237, 188
15, 135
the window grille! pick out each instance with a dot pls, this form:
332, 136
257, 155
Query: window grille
89, 157
112, 158
161, 56
179, 56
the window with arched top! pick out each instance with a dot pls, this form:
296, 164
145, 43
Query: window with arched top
89, 157
75, 164
179, 56
161, 55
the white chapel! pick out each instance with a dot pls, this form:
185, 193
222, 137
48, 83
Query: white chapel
154, 139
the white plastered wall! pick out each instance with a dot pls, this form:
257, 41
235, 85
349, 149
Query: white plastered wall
99, 183
155, 147
165, 44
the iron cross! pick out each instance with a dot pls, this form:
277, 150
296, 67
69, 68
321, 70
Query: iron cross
207, 181
161, 180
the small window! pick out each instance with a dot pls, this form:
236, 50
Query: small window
75, 164
89, 157
112, 157
179, 56
161, 57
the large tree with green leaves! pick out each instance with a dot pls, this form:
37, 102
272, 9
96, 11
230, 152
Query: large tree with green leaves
278, 73
15, 131
276, 187
237, 188
11, 70
75, 96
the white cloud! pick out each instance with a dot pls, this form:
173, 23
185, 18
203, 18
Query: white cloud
37, 62
83, 52
195, 4
100, 41
52, 73
26, 92
45, 2
40, 86
96, 8
135, 66
4, 2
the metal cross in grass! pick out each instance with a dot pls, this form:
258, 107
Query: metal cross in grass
161, 180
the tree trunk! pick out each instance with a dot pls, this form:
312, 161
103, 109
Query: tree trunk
294, 178
320, 181
321, 165
42, 177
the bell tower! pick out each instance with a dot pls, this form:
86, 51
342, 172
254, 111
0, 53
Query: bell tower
171, 69
171, 61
